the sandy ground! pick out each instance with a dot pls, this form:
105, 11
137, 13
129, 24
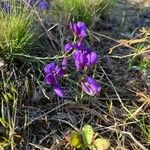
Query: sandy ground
132, 14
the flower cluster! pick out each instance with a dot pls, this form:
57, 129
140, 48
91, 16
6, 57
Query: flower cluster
52, 73
79, 29
83, 58
42, 5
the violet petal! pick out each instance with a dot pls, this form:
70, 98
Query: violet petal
50, 79
68, 47
58, 90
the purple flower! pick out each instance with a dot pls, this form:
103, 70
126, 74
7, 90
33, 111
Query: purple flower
49, 68
53, 69
80, 59
68, 47
7, 7
64, 64
80, 46
91, 86
79, 29
50, 79
30, 2
84, 58
92, 58
58, 90
52, 73
42, 5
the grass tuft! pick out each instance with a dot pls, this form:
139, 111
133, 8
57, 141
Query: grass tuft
15, 29
77, 10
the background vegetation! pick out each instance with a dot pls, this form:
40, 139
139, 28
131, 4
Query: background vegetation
76, 10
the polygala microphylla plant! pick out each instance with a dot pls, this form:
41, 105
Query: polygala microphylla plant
83, 57
52, 73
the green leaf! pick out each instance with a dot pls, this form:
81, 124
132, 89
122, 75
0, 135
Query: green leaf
87, 134
101, 144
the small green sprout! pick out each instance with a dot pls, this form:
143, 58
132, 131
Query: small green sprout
87, 138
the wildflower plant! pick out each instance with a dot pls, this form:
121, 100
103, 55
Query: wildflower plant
83, 57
